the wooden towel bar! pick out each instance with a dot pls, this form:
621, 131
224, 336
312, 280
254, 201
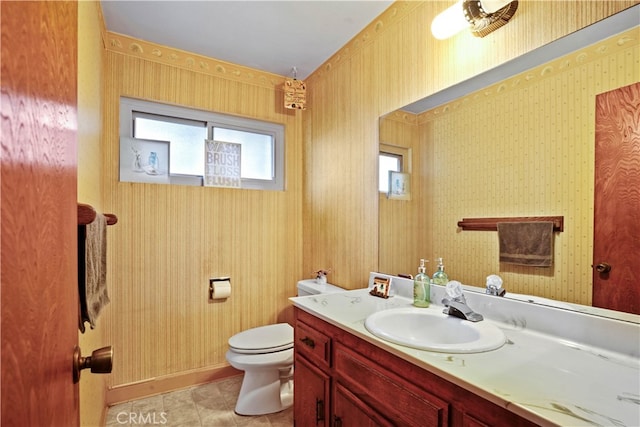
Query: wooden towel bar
491, 224
86, 215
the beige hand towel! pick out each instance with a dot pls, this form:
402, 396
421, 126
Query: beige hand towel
96, 268
526, 243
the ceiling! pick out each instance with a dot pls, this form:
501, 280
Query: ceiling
272, 36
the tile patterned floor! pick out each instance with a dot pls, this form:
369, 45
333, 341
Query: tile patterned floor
204, 405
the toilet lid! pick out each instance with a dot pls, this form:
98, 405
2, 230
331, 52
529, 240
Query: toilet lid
263, 339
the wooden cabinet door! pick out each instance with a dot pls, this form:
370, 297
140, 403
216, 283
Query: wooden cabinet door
311, 397
39, 213
349, 411
616, 239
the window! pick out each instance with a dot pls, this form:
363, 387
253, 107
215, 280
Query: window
262, 158
186, 136
392, 158
257, 149
387, 163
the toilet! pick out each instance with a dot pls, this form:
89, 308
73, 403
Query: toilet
265, 354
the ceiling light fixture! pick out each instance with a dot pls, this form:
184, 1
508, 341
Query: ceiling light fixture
480, 16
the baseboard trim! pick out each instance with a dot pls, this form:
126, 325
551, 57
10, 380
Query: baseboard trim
158, 385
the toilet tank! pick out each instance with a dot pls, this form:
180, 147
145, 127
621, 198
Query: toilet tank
311, 287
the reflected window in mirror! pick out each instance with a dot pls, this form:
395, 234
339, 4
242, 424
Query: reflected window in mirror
391, 158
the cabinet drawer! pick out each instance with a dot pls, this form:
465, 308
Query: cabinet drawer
315, 345
388, 392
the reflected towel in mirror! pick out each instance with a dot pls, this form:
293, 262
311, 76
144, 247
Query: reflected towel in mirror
526, 243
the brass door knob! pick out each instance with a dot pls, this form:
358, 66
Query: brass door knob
603, 267
100, 362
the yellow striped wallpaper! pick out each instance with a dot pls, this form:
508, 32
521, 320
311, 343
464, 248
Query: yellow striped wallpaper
171, 239
403, 235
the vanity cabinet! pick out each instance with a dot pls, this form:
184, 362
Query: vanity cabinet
344, 381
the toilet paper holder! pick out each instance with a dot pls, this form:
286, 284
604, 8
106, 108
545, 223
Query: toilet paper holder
219, 288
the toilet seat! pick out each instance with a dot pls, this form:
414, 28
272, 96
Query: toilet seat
266, 361
263, 339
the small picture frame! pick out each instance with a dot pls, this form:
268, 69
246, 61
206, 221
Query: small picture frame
144, 160
380, 287
399, 186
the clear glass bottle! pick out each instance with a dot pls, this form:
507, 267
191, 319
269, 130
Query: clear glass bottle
440, 277
421, 287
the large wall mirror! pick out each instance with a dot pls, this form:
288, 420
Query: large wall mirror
516, 141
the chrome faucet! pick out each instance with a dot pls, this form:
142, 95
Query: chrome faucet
492, 290
456, 304
494, 286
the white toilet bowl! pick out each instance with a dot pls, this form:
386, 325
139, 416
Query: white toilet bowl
265, 354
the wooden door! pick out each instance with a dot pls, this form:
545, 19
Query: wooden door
39, 296
617, 201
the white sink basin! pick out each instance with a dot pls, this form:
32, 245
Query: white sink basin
430, 329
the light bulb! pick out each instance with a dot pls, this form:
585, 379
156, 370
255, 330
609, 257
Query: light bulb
491, 6
449, 22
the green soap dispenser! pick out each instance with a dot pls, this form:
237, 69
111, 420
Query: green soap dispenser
440, 277
421, 287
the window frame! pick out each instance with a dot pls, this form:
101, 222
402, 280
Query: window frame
403, 153
177, 113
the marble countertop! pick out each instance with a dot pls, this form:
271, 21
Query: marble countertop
548, 378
